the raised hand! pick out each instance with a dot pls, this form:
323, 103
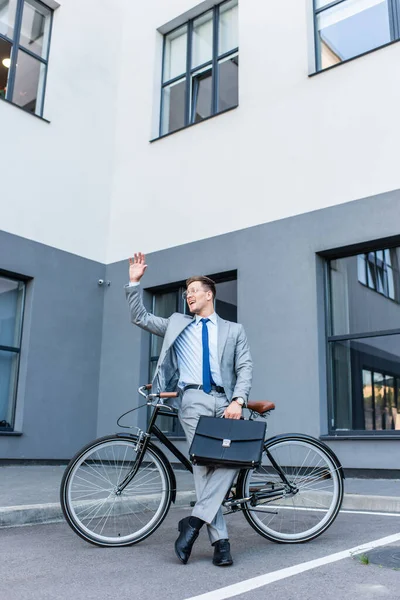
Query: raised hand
137, 267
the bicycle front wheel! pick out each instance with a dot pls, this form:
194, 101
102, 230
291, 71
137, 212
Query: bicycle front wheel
95, 507
297, 494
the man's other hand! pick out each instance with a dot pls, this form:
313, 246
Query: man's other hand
137, 267
233, 411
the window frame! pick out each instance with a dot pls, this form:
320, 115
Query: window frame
328, 256
191, 72
16, 47
15, 349
394, 24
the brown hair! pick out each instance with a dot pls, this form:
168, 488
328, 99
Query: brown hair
205, 281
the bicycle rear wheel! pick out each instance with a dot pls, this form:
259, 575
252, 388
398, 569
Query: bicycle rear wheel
95, 508
306, 504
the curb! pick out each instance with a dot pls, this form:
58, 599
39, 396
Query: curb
371, 503
36, 514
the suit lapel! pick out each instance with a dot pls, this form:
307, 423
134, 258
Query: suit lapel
223, 329
171, 336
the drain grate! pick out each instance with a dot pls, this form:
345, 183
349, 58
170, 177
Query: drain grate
388, 556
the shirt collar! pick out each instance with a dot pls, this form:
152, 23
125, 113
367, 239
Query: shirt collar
213, 318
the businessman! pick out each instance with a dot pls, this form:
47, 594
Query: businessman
208, 360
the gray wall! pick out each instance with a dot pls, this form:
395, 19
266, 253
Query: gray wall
57, 398
280, 303
82, 361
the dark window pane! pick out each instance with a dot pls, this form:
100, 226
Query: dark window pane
5, 53
8, 381
201, 96
7, 17
29, 83
11, 300
341, 374
173, 112
365, 383
362, 301
35, 30
228, 83
226, 300
351, 28
164, 305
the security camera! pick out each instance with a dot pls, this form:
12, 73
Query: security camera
100, 281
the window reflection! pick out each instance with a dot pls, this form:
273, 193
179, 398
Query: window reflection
376, 270
381, 396
351, 28
366, 378
7, 17
365, 292
364, 312
11, 311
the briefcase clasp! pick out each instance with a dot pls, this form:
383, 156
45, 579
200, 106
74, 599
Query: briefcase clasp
226, 443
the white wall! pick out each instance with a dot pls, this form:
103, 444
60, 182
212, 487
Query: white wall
91, 183
56, 178
295, 143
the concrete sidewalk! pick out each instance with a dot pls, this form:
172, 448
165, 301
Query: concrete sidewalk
30, 494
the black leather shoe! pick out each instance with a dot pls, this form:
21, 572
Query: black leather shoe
187, 537
222, 554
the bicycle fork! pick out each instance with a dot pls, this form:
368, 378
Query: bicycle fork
141, 447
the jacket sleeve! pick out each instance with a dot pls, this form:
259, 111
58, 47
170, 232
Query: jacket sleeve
243, 367
139, 314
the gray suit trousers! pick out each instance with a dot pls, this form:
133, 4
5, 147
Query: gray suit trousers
211, 483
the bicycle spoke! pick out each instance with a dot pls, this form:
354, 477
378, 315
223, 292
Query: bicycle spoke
102, 513
301, 512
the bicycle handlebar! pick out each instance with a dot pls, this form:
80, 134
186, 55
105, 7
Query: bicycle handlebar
164, 395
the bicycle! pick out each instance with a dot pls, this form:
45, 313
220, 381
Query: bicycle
117, 490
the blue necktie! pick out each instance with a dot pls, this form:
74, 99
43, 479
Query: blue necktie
206, 358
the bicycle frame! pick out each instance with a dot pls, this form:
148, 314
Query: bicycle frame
233, 503
143, 442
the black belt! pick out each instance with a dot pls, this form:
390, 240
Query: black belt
195, 386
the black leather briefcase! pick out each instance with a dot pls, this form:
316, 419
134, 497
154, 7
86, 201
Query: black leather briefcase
229, 443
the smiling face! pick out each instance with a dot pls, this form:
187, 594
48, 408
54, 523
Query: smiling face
199, 299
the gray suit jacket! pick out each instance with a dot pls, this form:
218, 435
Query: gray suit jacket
233, 350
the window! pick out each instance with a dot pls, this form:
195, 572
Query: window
12, 294
376, 270
347, 28
24, 50
200, 68
169, 300
364, 342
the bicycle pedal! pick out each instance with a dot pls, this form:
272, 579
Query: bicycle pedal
192, 503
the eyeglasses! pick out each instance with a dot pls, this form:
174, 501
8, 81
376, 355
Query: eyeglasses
188, 293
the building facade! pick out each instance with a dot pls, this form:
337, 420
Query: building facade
274, 172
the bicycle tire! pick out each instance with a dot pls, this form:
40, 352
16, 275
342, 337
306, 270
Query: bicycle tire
293, 517
93, 508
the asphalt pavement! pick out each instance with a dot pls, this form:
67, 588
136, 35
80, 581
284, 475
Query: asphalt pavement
47, 562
